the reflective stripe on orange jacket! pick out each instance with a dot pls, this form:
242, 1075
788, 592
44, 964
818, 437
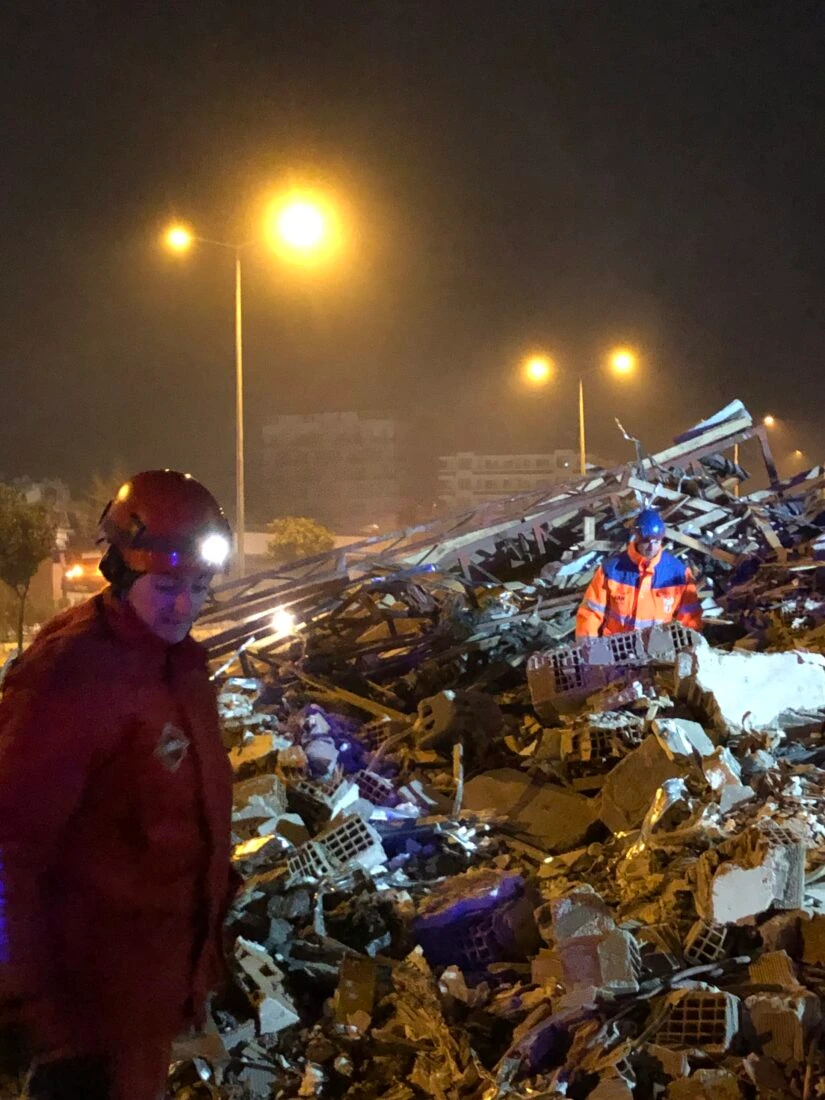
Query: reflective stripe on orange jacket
628, 593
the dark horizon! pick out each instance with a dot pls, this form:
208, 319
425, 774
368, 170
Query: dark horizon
561, 175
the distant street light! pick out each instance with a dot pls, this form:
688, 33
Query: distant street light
769, 421
299, 227
538, 369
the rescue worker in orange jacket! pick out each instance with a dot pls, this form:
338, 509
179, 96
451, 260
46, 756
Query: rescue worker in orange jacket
641, 586
115, 805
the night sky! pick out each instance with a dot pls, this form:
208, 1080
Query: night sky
563, 175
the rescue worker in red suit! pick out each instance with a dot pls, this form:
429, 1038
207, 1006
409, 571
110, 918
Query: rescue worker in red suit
640, 587
115, 804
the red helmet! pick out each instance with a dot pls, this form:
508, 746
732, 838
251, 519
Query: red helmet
162, 521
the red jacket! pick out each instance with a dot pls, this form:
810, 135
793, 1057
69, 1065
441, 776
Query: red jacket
115, 807
628, 592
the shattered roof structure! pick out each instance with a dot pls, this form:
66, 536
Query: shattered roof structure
516, 532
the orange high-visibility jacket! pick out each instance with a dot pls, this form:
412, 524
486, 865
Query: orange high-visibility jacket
628, 593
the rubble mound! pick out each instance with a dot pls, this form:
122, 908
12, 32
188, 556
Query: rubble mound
484, 860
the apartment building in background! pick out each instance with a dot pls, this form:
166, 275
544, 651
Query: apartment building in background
468, 479
340, 468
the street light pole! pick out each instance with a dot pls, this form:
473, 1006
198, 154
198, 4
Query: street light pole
582, 443
240, 496
301, 225
736, 463
538, 369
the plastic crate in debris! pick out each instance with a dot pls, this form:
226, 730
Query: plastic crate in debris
700, 1019
561, 679
336, 851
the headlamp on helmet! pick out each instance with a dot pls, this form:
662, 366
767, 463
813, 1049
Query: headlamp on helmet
214, 550
162, 521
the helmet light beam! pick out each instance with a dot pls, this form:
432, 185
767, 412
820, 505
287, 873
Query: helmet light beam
214, 550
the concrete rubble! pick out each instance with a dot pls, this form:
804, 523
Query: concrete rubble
482, 860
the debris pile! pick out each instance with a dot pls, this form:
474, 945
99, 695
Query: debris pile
483, 860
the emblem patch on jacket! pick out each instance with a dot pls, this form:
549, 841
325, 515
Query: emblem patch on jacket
172, 747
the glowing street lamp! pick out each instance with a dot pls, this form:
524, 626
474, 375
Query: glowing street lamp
537, 369
178, 238
302, 227
769, 421
623, 361
299, 227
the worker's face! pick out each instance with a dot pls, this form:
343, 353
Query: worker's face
648, 548
169, 604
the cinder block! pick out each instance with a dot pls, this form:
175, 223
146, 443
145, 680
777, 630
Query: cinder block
736, 892
376, 789
561, 679
773, 968
336, 851
580, 912
262, 981
610, 961
791, 895
700, 1019
450, 716
589, 746
321, 799
705, 943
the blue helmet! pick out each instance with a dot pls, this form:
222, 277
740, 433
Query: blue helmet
650, 524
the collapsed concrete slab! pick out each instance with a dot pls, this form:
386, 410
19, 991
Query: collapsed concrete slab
560, 819
739, 691
784, 1023
632, 784
705, 1084
263, 980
